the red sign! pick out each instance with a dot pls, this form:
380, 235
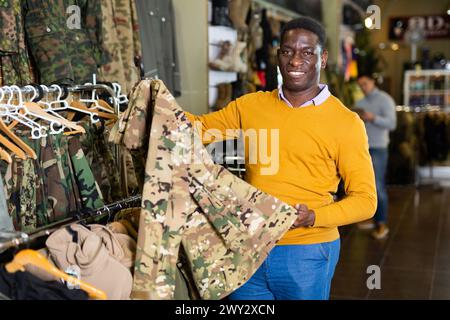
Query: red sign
433, 26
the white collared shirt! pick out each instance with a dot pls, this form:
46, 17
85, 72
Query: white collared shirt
323, 95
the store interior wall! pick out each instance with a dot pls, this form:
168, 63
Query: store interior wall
192, 41
395, 59
332, 19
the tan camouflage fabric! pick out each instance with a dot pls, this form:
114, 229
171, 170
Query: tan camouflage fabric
122, 41
225, 226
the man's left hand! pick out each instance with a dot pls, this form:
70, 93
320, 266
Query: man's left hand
305, 217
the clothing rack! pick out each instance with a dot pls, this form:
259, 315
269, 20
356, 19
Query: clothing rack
78, 88
416, 110
89, 87
14, 239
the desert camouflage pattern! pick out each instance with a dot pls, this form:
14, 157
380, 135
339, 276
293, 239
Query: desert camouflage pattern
121, 40
225, 226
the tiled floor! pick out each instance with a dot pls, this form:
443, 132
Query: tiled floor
414, 260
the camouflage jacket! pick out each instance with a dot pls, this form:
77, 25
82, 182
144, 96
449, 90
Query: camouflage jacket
224, 226
14, 59
65, 37
121, 39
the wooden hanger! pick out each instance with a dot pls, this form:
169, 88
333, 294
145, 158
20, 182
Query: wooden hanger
36, 259
28, 150
12, 147
5, 155
105, 105
81, 106
37, 110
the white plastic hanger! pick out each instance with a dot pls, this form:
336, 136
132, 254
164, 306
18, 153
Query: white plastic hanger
13, 112
66, 106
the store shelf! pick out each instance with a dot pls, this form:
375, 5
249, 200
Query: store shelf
427, 87
216, 35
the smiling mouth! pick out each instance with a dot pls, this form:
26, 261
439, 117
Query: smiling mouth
296, 74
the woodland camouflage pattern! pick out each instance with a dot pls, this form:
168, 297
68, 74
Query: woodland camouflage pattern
226, 226
63, 54
52, 187
101, 161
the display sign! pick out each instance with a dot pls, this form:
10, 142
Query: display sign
433, 26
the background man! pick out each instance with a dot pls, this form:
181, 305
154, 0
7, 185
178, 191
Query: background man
377, 110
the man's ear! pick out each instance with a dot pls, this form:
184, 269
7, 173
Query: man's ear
324, 58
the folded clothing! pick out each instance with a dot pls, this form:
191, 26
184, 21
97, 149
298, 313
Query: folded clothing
97, 253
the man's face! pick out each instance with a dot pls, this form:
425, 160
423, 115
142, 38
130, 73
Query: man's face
301, 58
366, 84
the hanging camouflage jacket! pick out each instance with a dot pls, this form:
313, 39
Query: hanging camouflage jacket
14, 60
121, 40
224, 226
65, 39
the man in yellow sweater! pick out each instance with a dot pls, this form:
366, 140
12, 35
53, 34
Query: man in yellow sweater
314, 141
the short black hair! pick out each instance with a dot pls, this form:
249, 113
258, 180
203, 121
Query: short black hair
309, 24
366, 75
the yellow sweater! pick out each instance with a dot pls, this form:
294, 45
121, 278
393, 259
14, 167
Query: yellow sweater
317, 145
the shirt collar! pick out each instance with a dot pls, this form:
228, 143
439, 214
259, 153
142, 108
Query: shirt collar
323, 95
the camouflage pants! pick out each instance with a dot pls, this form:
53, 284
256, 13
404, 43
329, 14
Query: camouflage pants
100, 159
52, 187
225, 226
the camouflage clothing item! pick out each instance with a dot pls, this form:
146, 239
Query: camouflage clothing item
14, 60
121, 38
22, 188
89, 189
101, 161
226, 226
5, 219
114, 70
62, 52
52, 187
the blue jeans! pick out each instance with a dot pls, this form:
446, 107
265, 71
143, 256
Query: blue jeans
379, 160
293, 272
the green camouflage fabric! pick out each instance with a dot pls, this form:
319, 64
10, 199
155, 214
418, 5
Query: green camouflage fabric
52, 187
121, 38
14, 59
20, 192
224, 226
101, 161
89, 189
63, 54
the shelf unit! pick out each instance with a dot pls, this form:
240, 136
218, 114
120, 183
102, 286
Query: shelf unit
427, 88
